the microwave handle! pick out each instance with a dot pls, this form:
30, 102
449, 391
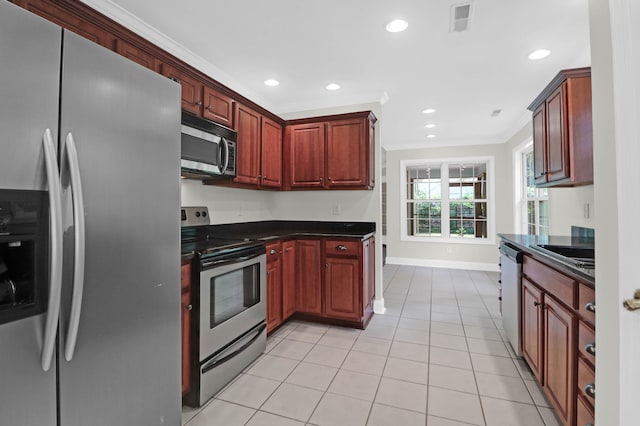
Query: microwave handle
226, 155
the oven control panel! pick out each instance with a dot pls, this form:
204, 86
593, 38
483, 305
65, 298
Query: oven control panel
193, 216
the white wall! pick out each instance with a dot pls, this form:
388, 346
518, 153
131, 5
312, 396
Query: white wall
567, 207
227, 205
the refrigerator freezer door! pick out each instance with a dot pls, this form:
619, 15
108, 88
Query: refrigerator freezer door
29, 88
126, 124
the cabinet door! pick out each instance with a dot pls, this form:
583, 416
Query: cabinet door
274, 294
347, 152
557, 140
191, 89
308, 276
271, 164
217, 107
372, 153
343, 294
532, 327
185, 284
248, 146
369, 274
560, 356
305, 153
288, 279
136, 55
540, 145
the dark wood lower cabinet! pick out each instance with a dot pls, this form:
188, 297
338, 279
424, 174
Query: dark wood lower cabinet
550, 338
342, 288
560, 358
288, 279
309, 276
274, 285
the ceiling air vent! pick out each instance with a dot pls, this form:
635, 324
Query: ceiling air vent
460, 17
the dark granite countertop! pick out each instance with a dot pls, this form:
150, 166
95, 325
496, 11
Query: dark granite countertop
525, 243
280, 229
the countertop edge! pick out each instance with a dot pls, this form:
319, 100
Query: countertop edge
573, 272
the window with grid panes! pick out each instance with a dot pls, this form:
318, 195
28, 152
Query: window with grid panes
446, 199
536, 199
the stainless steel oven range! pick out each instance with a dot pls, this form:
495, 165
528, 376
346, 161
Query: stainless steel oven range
229, 325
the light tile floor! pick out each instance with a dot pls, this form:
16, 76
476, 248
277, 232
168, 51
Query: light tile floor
437, 357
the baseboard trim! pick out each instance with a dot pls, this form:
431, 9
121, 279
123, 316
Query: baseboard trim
450, 264
378, 306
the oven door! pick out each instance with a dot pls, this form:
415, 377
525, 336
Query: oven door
232, 300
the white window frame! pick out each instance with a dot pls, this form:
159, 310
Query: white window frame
445, 237
521, 199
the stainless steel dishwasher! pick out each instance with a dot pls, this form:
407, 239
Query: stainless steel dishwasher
511, 277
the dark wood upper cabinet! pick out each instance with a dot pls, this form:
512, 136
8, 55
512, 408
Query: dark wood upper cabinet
347, 151
331, 152
247, 146
271, 162
304, 155
136, 55
217, 107
191, 88
562, 131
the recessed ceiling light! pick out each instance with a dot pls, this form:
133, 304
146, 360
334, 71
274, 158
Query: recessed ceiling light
431, 136
539, 54
271, 82
430, 126
332, 86
397, 25
429, 111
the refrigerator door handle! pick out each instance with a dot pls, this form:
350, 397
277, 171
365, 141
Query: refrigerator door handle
55, 266
79, 244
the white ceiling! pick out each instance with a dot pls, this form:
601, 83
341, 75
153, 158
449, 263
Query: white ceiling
306, 44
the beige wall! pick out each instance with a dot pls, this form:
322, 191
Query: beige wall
566, 207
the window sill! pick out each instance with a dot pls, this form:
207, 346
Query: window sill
440, 240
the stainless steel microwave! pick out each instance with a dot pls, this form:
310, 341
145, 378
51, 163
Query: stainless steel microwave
207, 149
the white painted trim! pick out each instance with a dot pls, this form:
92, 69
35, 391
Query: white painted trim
378, 306
518, 166
449, 264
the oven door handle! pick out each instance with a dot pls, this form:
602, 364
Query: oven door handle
216, 362
207, 265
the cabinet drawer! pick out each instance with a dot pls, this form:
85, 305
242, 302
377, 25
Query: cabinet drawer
586, 337
587, 297
584, 413
553, 282
342, 248
586, 376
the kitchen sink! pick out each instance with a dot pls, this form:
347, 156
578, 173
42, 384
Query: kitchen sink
581, 257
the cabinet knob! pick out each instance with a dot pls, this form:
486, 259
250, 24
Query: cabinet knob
590, 390
591, 307
341, 247
208, 108
177, 80
536, 303
198, 103
189, 307
273, 251
590, 348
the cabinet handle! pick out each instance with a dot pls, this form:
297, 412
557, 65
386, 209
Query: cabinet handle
536, 304
208, 108
341, 247
198, 103
330, 178
286, 250
591, 307
189, 307
590, 390
273, 251
177, 80
590, 348
326, 265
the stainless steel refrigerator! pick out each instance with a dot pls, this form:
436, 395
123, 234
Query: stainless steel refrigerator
108, 166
